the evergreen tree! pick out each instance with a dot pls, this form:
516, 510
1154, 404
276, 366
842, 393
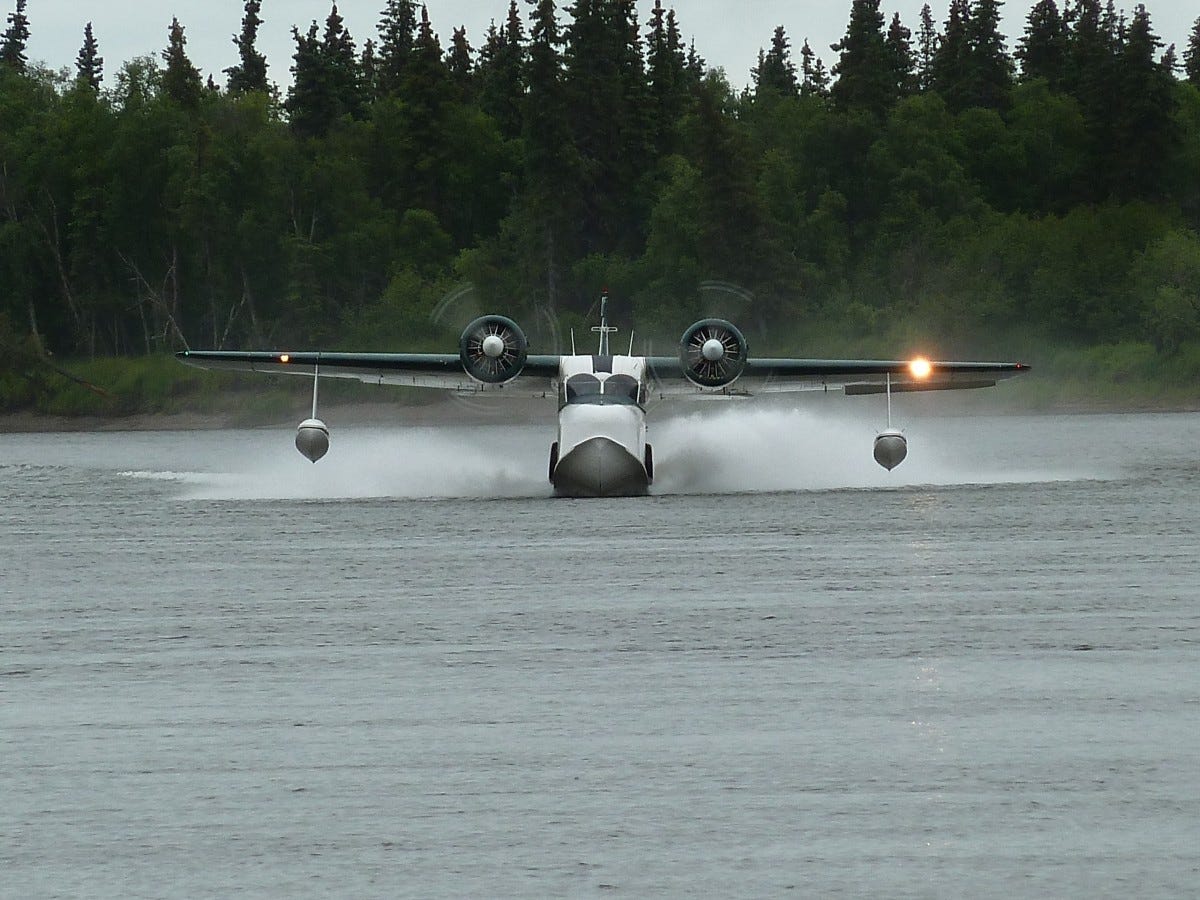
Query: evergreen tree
730, 221
397, 35
89, 65
307, 103
952, 63
502, 72
368, 72
1090, 56
1043, 49
666, 71
460, 63
424, 85
1144, 130
1170, 60
1191, 56
181, 80
327, 82
776, 73
1091, 77
927, 46
898, 45
865, 75
551, 161
815, 77
990, 66
250, 74
341, 61
696, 66
608, 114
15, 40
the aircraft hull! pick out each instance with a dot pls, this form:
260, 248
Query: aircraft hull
602, 449
600, 467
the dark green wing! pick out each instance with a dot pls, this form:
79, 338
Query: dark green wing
854, 376
428, 370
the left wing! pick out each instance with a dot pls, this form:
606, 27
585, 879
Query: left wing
538, 377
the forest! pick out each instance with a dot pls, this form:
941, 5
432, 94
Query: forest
934, 183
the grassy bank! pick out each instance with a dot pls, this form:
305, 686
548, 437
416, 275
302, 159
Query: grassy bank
125, 387
1119, 377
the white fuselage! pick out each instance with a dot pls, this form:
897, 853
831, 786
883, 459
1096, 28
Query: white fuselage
601, 449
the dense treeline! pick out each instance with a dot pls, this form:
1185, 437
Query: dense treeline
928, 182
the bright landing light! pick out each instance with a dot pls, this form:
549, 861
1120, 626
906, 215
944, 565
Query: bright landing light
920, 367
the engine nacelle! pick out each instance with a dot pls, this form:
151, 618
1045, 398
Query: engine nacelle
493, 349
891, 446
713, 353
312, 439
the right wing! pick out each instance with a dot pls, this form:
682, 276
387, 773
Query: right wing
444, 371
854, 376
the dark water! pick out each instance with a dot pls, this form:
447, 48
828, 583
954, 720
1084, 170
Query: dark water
226, 672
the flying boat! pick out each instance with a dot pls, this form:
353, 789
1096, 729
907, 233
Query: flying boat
601, 448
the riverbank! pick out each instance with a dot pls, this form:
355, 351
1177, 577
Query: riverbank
157, 394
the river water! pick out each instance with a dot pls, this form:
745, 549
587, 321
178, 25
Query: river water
408, 672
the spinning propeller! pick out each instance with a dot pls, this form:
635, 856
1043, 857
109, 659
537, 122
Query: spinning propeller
493, 349
713, 353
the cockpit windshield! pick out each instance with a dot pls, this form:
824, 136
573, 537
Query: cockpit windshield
584, 388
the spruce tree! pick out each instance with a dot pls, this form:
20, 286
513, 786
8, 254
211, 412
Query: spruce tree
307, 103
368, 72
1090, 70
952, 62
815, 81
865, 74
15, 40
552, 176
89, 65
898, 45
1043, 49
397, 34
990, 65
424, 85
1191, 56
502, 72
665, 70
340, 58
927, 45
1170, 60
327, 80
250, 74
609, 116
775, 73
460, 64
1144, 132
181, 80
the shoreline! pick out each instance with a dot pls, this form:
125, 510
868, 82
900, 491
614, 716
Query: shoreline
449, 411
463, 411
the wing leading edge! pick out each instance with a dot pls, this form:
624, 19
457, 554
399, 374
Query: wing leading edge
427, 370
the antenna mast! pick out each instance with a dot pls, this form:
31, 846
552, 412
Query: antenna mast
604, 328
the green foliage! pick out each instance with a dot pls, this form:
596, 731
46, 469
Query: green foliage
920, 198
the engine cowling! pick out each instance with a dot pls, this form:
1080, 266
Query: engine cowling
493, 349
713, 353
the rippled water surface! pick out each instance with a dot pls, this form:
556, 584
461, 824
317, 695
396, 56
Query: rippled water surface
407, 671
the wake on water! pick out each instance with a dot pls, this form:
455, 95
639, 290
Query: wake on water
735, 449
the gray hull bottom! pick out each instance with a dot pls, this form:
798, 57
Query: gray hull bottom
600, 468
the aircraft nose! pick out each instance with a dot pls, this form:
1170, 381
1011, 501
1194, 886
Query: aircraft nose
600, 468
